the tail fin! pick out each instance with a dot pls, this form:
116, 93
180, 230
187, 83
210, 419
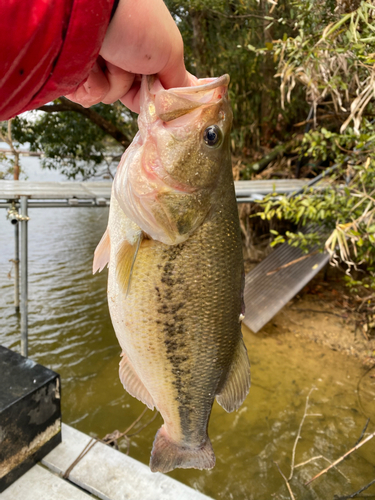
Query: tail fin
167, 455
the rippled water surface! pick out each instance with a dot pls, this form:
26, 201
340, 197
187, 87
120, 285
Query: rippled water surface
70, 331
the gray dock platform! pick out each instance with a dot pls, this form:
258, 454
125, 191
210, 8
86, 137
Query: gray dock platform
103, 472
98, 192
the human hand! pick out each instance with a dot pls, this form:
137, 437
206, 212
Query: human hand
142, 38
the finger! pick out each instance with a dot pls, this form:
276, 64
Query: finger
120, 81
93, 90
131, 98
169, 80
175, 75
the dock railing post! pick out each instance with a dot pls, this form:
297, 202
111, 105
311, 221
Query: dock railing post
24, 298
16, 268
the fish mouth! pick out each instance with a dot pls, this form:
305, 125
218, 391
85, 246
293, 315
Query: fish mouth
173, 103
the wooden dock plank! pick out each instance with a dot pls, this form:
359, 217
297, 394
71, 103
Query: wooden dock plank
41, 484
111, 475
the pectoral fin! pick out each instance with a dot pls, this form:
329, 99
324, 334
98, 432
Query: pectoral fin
237, 385
133, 384
102, 253
125, 260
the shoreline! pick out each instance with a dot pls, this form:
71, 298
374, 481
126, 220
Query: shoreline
321, 312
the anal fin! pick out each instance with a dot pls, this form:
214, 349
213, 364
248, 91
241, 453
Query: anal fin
133, 384
237, 384
102, 253
167, 455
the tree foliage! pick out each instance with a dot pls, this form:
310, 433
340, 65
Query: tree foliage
73, 139
236, 37
9, 165
335, 66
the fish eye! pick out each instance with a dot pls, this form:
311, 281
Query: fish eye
212, 136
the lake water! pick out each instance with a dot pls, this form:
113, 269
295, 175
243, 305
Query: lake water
70, 331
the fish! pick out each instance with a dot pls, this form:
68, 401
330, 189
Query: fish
175, 281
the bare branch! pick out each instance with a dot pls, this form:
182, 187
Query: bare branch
110, 439
341, 458
299, 433
99, 120
363, 432
286, 482
353, 495
293, 262
236, 16
324, 458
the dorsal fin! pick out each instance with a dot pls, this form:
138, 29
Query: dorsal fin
102, 253
125, 260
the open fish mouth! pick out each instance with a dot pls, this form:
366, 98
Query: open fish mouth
173, 103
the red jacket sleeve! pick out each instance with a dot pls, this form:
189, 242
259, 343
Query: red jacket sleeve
47, 48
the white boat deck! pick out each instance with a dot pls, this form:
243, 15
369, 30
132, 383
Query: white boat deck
103, 472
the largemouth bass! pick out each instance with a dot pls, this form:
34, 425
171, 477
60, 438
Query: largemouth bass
173, 248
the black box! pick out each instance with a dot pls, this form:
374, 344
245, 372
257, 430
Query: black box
30, 414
